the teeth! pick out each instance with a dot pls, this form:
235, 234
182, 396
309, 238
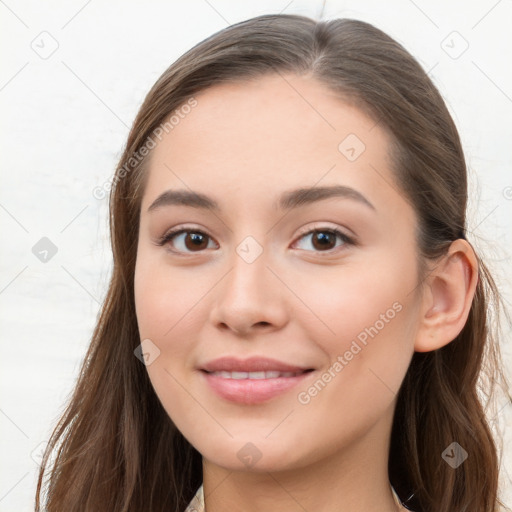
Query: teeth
254, 375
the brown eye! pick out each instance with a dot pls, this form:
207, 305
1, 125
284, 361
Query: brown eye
184, 240
323, 240
195, 241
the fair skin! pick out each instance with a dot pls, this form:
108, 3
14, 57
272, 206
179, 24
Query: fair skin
300, 302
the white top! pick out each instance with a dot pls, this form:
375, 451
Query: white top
197, 502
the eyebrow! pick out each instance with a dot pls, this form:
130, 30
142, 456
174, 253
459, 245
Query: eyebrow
289, 200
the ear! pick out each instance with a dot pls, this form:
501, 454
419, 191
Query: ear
448, 294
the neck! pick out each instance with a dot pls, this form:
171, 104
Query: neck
353, 478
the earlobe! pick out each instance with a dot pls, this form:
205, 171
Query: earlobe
447, 298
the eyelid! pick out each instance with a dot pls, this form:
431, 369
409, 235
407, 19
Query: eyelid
322, 226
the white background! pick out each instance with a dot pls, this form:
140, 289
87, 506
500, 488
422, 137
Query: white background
66, 118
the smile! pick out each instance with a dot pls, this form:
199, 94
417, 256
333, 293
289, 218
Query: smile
251, 388
254, 375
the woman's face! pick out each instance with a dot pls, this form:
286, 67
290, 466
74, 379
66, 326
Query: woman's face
250, 277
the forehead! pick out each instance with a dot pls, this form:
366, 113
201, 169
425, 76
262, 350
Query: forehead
245, 140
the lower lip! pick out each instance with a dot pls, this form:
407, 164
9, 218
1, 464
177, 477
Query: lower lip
252, 391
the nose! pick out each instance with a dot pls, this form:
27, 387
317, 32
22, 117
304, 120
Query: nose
249, 299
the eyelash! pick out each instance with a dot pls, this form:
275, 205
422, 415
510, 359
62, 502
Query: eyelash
167, 237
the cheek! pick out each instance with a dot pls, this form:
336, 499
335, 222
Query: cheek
367, 356
164, 301
364, 316
170, 310
165, 297
342, 304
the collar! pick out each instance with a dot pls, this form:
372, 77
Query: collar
197, 502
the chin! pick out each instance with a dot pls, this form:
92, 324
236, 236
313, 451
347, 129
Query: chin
252, 456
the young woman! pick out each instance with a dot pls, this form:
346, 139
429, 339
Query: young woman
295, 319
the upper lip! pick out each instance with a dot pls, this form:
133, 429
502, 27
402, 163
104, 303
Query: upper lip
252, 364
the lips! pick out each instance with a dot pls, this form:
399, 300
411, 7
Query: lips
253, 364
254, 375
252, 381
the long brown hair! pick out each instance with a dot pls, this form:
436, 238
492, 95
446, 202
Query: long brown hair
115, 449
